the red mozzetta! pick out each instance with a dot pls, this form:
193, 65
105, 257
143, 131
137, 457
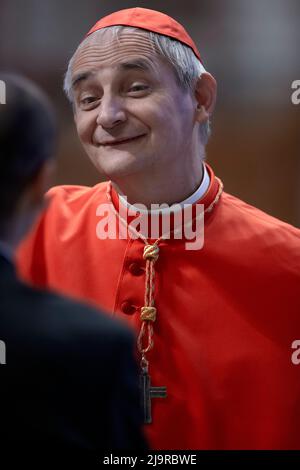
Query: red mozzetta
226, 314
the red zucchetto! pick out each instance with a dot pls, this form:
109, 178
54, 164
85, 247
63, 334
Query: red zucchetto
149, 20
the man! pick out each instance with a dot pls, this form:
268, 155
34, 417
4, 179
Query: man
215, 321
69, 383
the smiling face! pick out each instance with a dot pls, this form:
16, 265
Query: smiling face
131, 115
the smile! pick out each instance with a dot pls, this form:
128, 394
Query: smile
114, 143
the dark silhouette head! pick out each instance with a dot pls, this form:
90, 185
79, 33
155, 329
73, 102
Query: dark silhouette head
27, 140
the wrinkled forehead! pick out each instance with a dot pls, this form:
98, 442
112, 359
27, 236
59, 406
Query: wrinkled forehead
108, 47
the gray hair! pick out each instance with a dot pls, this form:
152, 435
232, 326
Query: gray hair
186, 65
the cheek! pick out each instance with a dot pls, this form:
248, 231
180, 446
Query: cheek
171, 117
85, 126
149, 112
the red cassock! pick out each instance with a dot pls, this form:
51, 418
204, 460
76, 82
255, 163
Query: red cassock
227, 314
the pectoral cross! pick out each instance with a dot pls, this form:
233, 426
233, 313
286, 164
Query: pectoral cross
149, 392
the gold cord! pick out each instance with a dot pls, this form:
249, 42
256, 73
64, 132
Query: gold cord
151, 254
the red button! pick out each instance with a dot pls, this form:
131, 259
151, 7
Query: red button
128, 308
135, 269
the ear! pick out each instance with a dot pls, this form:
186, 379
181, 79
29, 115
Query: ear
33, 197
74, 114
42, 181
31, 203
206, 94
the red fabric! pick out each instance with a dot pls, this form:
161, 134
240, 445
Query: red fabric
227, 315
149, 20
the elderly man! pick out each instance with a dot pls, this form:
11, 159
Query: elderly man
215, 320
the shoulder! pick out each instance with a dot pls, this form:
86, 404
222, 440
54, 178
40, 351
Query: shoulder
71, 326
68, 208
255, 237
75, 196
59, 344
255, 220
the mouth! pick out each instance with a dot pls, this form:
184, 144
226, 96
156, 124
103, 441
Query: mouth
115, 143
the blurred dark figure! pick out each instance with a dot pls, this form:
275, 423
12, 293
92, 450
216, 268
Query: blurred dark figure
69, 382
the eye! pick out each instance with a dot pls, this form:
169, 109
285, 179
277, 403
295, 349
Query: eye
88, 102
138, 88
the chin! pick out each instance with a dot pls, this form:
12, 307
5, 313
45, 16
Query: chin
117, 166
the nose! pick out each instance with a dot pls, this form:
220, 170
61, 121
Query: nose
111, 112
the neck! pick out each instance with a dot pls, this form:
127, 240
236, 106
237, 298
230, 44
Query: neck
14, 230
6, 249
169, 187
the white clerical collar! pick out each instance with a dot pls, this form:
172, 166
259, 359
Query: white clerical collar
196, 196
199, 193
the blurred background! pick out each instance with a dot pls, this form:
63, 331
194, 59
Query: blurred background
252, 49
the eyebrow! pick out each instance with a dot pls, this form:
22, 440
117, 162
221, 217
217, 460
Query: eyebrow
138, 64
80, 77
